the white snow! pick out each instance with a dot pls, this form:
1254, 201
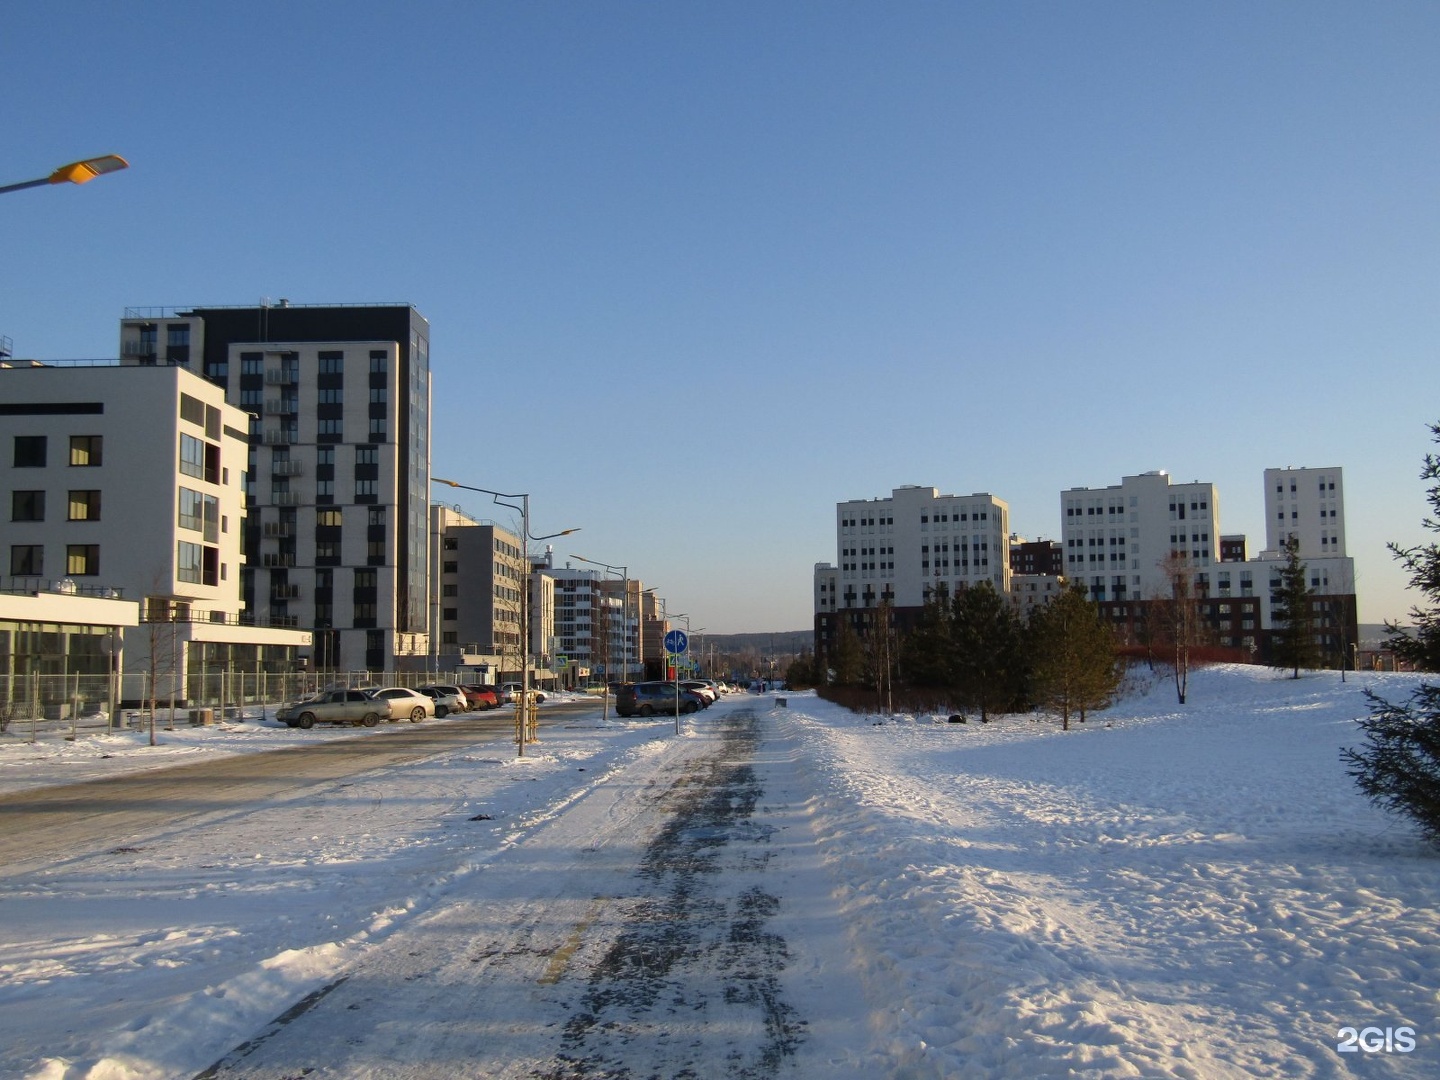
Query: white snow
1192, 891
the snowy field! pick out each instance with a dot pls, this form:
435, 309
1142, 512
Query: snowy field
1195, 892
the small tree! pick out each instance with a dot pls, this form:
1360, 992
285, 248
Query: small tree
1292, 641
930, 646
1176, 620
988, 661
1072, 656
1422, 647
1399, 767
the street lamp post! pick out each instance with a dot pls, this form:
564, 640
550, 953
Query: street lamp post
525, 723
77, 172
624, 628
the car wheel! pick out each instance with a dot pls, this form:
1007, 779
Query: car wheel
371, 719
441, 712
417, 714
646, 710
305, 720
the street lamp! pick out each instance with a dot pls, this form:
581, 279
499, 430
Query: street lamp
77, 172
523, 731
624, 626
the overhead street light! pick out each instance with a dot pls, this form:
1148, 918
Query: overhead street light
77, 172
525, 730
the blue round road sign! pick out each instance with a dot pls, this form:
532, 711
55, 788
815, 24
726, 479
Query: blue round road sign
676, 641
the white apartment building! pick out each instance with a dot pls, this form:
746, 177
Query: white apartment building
1117, 540
1308, 504
904, 546
129, 481
338, 473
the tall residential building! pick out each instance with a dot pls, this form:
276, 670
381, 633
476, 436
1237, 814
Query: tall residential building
122, 480
478, 575
338, 398
899, 549
1308, 504
1119, 540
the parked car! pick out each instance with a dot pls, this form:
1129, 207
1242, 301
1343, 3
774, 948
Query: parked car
654, 699
332, 707
447, 699
701, 687
511, 693
405, 704
482, 697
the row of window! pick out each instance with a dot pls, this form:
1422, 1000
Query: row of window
32, 451
28, 560
30, 506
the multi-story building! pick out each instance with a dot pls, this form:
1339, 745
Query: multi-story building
125, 480
898, 550
1037, 557
1127, 542
478, 574
1309, 505
338, 474
1124, 541
596, 623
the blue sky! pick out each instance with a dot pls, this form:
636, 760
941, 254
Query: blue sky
695, 273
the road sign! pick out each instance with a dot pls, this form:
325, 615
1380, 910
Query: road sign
676, 641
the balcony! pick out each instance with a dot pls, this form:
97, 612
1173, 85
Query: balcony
281, 377
286, 498
278, 529
286, 468
281, 406
284, 592
277, 558
278, 436
139, 350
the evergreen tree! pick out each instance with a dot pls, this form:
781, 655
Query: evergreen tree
1073, 663
1399, 767
848, 662
1422, 562
988, 659
930, 646
801, 674
1292, 639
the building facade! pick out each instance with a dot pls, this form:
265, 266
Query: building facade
894, 552
130, 481
478, 574
338, 424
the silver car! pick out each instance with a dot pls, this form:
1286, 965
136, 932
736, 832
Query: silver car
404, 703
447, 699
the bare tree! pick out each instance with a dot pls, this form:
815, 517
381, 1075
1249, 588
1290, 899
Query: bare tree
1178, 622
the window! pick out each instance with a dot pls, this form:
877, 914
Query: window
377, 363
332, 395
192, 514
192, 410
366, 579
84, 506
82, 560
367, 455
367, 489
85, 449
27, 560
325, 455
328, 517
331, 363
333, 429
378, 395
192, 456
189, 562
27, 506
327, 552
29, 451
377, 429
377, 515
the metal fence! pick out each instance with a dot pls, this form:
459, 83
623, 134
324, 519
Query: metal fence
32, 705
